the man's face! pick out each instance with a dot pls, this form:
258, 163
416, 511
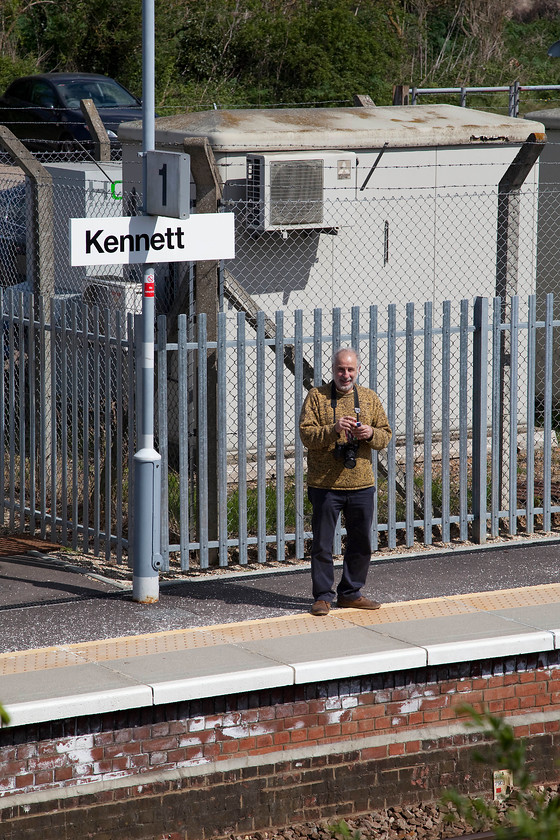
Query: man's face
345, 371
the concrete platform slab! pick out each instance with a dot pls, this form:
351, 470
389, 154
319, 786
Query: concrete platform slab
56, 693
340, 653
542, 617
460, 638
187, 674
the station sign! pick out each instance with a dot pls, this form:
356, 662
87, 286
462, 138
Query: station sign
168, 191
152, 239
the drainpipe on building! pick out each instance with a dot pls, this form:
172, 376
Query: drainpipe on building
507, 273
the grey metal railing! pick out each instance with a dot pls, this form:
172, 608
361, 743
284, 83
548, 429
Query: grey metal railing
514, 91
67, 408
445, 440
452, 471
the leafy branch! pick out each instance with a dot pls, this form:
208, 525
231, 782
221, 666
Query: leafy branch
529, 814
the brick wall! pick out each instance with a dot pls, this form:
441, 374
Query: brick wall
239, 763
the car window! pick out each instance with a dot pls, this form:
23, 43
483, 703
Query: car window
43, 95
104, 92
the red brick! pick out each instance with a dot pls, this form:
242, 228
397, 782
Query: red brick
246, 743
521, 731
159, 730
369, 753
159, 744
37, 764
383, 723
264, 750
267, 740
285, 710
315, 733
13, 768
511, 704
120, 764
63, 774
116, 750
177, 756
413, 746
431, 717
46, 777
396, 749
332, 730
349, 728
499, 693
528, 703
282, 738
24, 781
298, 736
138, 761
101, 739
527, 677
23, 752
101, 767
140, 733
123, 735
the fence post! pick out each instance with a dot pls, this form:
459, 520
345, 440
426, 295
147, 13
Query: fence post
480, 419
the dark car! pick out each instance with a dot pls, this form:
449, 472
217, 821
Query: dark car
44, 110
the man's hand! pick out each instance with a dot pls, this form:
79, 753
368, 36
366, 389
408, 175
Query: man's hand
360, 431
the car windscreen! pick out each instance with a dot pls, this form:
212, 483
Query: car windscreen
104, 92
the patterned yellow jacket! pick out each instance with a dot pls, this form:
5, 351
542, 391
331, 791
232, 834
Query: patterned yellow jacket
318, 435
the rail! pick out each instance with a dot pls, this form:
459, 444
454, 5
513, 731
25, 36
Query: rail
514, 90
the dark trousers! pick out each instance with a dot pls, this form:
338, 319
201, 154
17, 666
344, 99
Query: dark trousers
357, 506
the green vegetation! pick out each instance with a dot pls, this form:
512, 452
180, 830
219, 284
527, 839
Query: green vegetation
529, 813
263, 52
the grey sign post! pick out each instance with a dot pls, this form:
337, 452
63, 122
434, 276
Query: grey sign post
147, 462
165, 233
166, 190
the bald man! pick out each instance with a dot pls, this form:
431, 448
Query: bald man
340, 424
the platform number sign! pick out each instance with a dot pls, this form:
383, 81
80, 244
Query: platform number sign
168, 184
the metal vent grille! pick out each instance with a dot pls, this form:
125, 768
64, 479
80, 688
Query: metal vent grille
296, 192
254, 188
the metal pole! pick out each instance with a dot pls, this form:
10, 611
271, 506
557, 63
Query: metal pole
147, 462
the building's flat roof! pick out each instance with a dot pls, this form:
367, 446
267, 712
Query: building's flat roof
281, 129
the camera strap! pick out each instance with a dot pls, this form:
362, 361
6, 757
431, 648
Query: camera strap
334, 401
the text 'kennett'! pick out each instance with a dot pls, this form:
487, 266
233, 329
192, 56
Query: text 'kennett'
131, 243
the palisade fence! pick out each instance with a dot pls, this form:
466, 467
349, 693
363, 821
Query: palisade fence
232, 463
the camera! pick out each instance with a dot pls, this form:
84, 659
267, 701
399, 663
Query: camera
346, 452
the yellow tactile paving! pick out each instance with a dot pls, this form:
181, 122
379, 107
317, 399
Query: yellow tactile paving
271, 628
35, 660
527, 596
408, 611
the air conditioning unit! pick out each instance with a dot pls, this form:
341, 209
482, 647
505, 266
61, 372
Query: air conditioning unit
307, 190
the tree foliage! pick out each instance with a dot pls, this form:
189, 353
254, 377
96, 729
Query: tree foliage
256, 52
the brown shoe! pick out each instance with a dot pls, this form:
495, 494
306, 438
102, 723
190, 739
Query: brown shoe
360, 603
320, 608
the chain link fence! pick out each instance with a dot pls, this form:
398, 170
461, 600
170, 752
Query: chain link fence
396, 242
